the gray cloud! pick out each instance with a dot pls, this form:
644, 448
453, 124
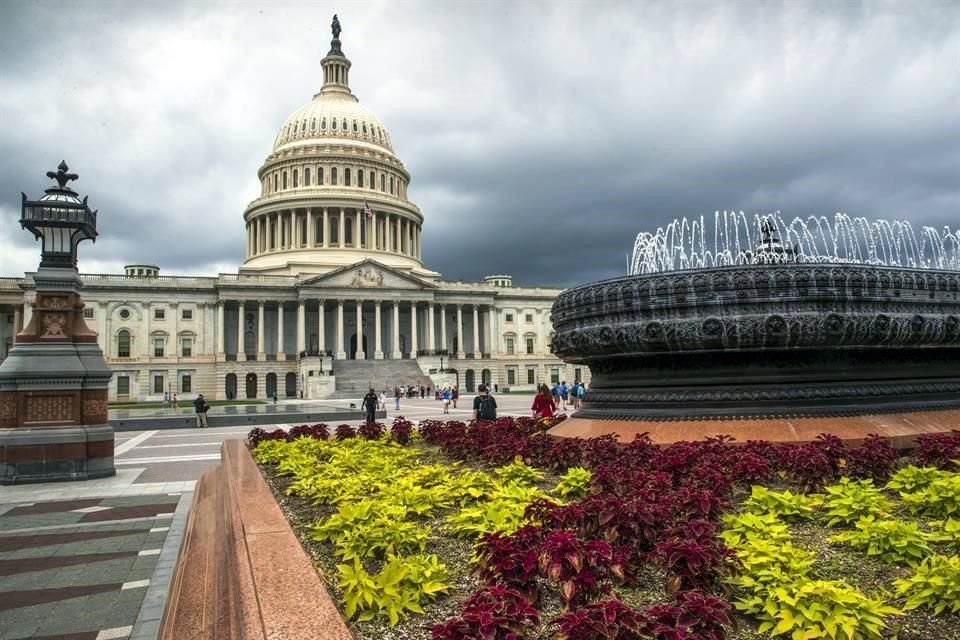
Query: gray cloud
541, 137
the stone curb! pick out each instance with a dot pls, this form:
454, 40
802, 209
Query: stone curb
242, 572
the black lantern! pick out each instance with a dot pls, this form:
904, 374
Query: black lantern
60, 219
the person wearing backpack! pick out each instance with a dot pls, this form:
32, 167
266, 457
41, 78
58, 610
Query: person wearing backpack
484, 405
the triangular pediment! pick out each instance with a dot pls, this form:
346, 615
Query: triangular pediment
368, 274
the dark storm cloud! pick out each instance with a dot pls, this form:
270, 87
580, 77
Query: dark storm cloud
541, 137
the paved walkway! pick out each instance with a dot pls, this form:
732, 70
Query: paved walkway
93, 560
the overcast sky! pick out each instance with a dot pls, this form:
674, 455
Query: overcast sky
541, 138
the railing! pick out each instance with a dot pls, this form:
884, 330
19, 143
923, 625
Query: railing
428, 353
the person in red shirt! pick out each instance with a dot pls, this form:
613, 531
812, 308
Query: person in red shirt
543, 404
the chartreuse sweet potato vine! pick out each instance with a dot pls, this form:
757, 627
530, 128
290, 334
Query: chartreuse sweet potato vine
383, 495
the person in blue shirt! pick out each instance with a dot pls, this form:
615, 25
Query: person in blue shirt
564, 394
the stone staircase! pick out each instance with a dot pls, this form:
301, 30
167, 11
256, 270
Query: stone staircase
355, 377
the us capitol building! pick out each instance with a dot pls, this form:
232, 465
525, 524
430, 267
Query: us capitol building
333, 295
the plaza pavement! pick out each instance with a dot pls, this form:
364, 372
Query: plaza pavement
93, 560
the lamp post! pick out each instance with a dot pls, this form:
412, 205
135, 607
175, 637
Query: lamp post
53, 384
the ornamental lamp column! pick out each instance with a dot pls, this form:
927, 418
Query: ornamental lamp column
54, 381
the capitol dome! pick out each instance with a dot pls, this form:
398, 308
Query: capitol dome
333, 193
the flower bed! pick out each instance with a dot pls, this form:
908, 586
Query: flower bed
452, 532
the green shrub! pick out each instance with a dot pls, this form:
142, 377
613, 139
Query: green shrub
945, 532
745, 526
914, 478
818, 609
768, 564
850, 500
939, 499
891, 541
502, 511
519, 473
785, 505
575, 483
935, 584
398, 589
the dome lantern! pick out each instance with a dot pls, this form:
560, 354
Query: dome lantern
336, 67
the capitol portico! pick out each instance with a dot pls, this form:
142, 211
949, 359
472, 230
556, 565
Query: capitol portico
333, 295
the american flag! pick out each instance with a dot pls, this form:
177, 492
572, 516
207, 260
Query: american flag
367, 210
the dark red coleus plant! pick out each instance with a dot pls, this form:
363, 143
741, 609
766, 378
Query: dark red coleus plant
494, 613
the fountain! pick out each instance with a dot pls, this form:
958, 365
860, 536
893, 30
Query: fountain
762, 327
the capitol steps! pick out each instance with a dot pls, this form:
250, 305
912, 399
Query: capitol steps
355, 377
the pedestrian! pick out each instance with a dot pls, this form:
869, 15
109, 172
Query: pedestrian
383, 400
275, 397
446, 399
200, 406
166, 399
564, 393
174, 404
396, 398
496, 388
543, 403
484, 405
455, 395
369, 405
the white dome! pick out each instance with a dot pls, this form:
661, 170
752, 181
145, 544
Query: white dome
333, 116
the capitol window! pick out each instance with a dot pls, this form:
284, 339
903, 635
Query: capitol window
530, 346
323, 124
123, 385
333, 124
333, 176
296, 179
383, 182
187, 314
313, 125
124, 314
186, 347
123, 344
306, 177
510, 347
87, 313
344, 124
274, 182
319, 175
354, 126
159, 314
284, 179
360, 177
391, 185
373, 181
158, 347
346, 176
364, 128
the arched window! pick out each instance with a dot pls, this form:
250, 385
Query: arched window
346, 177
274, 182
364, 128
296, 179
323, 124
391, 183
354, 126
373, 180
334, 229
344, 124
320, 175
333, 176
313, 125
284, 179
333, 124
123, 344
306, 177
383, 182
360, 177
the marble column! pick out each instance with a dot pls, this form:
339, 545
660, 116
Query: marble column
476, 332
431, 337
261, 354
341, 354
460, 352
491, 343
326, 228
321, 329
281, 354
276, 232
240, 332
378, 338
221, 342
396, 237
301, 327
396, 331
145, 343
413, 330
360, 353
443, 327
311, 233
